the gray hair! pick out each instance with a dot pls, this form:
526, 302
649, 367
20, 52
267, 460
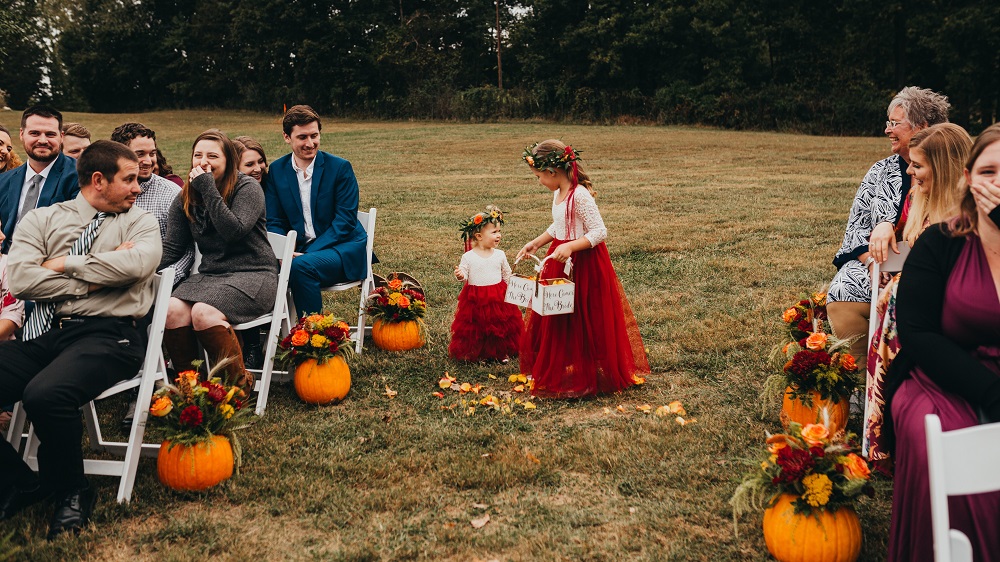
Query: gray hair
923, 107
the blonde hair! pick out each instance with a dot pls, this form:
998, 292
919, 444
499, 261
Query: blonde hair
946, 148
547, 147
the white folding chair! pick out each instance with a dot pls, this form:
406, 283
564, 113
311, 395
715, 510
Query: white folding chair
960, 463
893, 264
279, 320
153, 368
367, 285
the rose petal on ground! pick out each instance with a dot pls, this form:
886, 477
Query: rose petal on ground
519, 388
529, 406
480, 505
645, 408
621, 409
492, 376
532, 457
464, 387
677, 408
663, 411
390, 392
480, 522
438, 394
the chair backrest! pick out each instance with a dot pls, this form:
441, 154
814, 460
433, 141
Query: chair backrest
893, 264
960, 462
367, 220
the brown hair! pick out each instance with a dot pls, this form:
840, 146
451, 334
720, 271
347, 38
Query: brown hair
227, 184
968, 222
249, 143
76, 130
12, 160
41, 111
946, 147
127, 132
102, 156
299, 115
546, 147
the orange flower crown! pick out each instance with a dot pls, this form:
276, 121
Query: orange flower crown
470, 226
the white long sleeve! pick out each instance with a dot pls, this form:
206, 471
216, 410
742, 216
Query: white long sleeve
485, 271
587, 219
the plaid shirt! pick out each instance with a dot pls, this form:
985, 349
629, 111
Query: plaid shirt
157, 195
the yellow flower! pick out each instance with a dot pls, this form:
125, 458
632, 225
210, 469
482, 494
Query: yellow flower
394, 298
161, 406
319, 340
818, 489
227, 411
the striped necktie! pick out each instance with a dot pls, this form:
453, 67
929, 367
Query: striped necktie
41, 317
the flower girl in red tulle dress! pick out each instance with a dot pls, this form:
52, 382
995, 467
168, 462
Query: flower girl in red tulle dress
485, 327
597, 348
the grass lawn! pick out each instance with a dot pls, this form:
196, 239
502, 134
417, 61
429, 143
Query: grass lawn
712, 233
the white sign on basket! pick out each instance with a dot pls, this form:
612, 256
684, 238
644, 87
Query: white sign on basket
554, 299
519, 291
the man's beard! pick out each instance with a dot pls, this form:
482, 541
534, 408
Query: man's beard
46, 159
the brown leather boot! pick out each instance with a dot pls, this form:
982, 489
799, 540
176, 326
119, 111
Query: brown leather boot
220, 342
182, 347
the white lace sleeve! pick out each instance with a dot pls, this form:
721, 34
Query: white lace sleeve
584, 207
504, 267
464, 266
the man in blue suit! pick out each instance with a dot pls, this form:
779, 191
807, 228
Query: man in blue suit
48, 177
316, 194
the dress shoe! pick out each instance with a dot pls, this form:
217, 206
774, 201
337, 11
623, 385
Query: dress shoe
15, 499
72, 511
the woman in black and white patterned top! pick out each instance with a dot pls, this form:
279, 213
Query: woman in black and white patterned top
871, 226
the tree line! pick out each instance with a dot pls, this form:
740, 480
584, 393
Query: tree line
816, 67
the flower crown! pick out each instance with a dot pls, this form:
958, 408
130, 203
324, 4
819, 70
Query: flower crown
554, 159
470, 226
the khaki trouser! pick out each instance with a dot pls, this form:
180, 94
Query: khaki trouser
850, 320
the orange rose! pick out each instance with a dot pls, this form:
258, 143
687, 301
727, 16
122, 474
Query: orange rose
847, 362
478, 219
395, 284
300, 337
816, 341
342, 326
161, 406
815, 433
856, 467
403, 302
790, 315
190, 376
314, 318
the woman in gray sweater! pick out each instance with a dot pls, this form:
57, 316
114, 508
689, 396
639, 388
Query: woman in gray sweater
222, 212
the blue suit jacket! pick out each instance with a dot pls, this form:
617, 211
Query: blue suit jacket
61, 185
334, 203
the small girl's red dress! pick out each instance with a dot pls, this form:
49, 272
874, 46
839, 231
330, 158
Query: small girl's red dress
596, 349
485, 327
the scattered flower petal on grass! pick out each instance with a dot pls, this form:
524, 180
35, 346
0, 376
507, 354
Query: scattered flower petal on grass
480, 506
438, 394
390, 392
464, 387
683, 421
492, 376
645, 408
480, 522
607, 410
532, 457
519, 388
677, 408
621, 409
529, 406
518, 378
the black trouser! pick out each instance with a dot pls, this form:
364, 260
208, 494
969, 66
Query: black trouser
53, 376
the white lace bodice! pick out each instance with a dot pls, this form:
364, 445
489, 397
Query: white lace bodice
587, 219
485, 271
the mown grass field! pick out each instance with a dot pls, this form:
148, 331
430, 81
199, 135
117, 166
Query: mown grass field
712, 233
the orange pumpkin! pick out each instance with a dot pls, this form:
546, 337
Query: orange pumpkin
819, 537
398, 336
195, 467
322, 384
796, 411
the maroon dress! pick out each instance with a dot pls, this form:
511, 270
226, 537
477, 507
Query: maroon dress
971, 318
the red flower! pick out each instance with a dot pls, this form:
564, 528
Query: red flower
817, 452
804, 326
191, 416
794, 463
238, 404
216, 393
804, 303
804, 362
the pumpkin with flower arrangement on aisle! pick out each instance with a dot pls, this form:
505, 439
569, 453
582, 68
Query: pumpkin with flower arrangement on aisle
199, 419
316, 346
807, 482
398, 309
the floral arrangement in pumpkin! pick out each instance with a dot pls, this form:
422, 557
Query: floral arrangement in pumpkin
806, 316
398, 301
194, 409
823, 473
817, 363
316, 336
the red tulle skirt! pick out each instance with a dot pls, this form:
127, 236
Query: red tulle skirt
485, 327
595, 350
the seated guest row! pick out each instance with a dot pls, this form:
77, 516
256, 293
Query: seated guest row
100, 226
